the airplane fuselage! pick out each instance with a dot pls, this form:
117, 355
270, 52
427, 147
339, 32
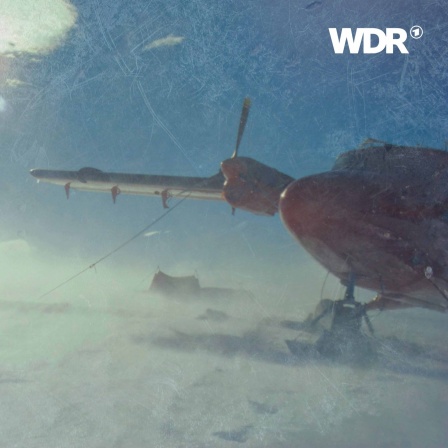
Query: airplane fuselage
387, 227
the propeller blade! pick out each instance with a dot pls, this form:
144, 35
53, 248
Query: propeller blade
243, 121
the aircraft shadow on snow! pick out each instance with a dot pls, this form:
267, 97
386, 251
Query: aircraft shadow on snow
391, 354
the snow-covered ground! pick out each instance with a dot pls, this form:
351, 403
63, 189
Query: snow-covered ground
102, 363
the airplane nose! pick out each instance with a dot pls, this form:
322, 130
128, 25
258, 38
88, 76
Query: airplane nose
310, 207
329, 215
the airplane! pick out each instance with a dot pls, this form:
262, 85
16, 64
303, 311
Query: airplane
378, 219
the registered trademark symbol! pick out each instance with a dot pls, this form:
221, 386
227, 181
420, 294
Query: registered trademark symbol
416, 32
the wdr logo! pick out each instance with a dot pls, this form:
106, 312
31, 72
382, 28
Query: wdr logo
393, 37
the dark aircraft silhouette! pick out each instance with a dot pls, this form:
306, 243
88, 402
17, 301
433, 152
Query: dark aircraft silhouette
377, 219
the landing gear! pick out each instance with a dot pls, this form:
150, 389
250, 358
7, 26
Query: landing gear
335, 329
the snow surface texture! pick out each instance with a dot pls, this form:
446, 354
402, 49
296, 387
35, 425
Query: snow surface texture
104, 363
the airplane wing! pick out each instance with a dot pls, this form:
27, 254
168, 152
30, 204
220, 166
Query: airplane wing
92, 179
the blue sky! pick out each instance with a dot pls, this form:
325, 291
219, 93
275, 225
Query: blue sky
102, 96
